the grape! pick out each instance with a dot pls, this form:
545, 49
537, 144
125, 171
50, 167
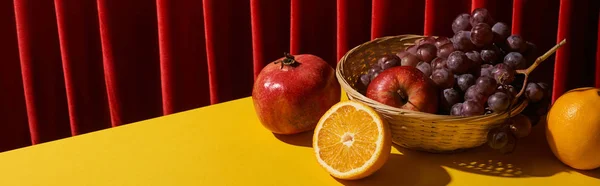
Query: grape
490, 54
501, 32
465, 81
475, 93
461, 23
438, 63
510, 145
482, 35
520, 126
445, 50
401, 54
443, 78
412, 50
498, 102
374, 75
531, 53
534, 119
462, 41
515, 60
426, 40
388, 61
546, 88
534, 92
516, 43
486, 70
458, 62
450, 96
374, 72
409, 60
426, 52
425, 68
486, 84
542, 107
475, 58
481, 15
365, 79
503, 74
440, 41
390, 64
374, 69
497, 139
509, 89
472, 108
456, 109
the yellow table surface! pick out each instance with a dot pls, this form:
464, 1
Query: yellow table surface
225, 144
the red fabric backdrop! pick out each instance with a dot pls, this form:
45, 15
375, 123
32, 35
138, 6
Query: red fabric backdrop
76, 66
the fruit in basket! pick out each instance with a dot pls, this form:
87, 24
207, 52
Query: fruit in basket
490, 54
498, 102
438, 63
449, 97
503, 74
461, 23
445, 50
481, 15
290, 94
472, 108
443, 78
465, 81
501, 32
479, 60
404, 87
573, 129
482, 35
534, 92
409, 60
476, 93
388, 61
487, 85
515, 60
458, 62
426, 52
486, 70
425, 68
351, 141
441, 41
516, 43
462, 41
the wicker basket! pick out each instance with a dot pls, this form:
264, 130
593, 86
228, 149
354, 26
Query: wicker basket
411, 129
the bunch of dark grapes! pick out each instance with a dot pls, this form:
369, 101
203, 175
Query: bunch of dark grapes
475, 72
382, 64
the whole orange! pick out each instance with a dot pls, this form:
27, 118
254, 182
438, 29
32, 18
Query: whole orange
573, 130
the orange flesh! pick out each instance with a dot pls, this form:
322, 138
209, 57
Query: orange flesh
348, 139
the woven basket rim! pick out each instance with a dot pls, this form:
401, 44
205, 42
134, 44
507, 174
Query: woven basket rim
354, 94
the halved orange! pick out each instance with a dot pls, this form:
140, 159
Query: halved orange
351, 141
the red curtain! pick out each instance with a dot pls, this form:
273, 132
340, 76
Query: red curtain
76, 66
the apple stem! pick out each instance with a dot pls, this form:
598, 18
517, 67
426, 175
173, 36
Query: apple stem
289, 60
402, 95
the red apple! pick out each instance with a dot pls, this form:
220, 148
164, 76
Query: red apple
291, 94
404, 87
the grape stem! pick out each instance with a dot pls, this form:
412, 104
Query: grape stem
540, 59
535, 64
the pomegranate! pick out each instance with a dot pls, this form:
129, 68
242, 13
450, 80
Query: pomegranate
292, 93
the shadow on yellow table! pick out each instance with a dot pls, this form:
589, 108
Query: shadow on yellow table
531, 158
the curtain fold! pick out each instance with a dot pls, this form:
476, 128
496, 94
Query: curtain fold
75, 66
